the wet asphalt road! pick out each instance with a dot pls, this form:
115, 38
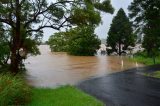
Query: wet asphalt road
128, 88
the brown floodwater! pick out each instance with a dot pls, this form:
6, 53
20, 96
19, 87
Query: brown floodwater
54, 69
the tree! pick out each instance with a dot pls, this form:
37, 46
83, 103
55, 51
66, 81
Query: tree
26, 18
145, 15
83, 41
59, 42
120, 33
77, 41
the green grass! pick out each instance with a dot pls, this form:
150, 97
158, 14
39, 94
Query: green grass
155, 74
144, 59
63, 96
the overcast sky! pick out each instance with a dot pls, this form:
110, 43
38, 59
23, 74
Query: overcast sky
102, 30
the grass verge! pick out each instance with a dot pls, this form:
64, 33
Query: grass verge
144, 59
63, 96
155, 74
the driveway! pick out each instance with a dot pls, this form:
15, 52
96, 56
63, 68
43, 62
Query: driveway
127, 88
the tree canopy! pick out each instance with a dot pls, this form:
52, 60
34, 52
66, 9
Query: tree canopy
120, 33
59, 41
145, 15
83, 41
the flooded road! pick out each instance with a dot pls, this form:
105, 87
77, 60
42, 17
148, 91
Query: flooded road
54, 69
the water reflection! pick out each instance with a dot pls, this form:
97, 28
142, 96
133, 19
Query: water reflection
53, 69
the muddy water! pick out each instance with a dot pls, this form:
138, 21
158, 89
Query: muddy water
54, 69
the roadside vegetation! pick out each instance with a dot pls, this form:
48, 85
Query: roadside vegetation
155, 74
15, 91
140, 13
143, 58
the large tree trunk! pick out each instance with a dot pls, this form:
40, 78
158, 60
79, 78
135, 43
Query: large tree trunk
15, 60
15, 57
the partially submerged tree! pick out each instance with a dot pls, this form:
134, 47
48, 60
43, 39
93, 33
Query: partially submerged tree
79, 41
120, 33
26, 18
83, 41
59, 42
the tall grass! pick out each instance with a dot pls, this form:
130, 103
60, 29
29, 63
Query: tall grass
13, 90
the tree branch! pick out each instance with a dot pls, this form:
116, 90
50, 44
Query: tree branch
56, 27
41, 12
41, 27
8, 22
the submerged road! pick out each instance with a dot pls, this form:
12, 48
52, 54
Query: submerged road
128, 88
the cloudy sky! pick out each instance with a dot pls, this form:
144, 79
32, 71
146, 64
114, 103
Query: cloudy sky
102, 30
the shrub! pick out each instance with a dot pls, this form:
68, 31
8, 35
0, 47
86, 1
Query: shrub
13, 90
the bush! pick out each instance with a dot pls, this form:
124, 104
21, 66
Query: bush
13, 90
